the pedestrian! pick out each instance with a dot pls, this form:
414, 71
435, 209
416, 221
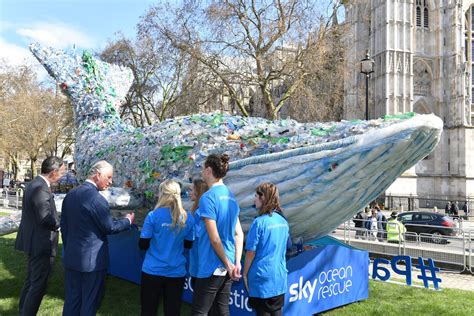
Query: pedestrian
198, 188
455, 209
38, 234
167, 231
447, 208
85, 223
465, 208
367, 222
359, 223
373, 225
395, 229
220, 241
265, 273
381, 224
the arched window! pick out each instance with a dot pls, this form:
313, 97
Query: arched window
418, 16
422, 14
426, 18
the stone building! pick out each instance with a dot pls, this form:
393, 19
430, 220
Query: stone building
423, 53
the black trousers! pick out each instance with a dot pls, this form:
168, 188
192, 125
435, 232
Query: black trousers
211, 295
154, 287
34, 288
271, 306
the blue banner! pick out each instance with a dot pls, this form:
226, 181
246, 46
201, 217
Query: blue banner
319, 279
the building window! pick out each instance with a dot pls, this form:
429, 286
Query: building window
422, 14
426, 18
418, 16
472, 19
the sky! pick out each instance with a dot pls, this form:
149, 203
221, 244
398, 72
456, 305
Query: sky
87, 24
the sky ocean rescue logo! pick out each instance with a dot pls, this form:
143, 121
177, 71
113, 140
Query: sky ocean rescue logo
328, 283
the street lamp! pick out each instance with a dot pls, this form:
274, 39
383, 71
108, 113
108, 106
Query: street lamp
367, 67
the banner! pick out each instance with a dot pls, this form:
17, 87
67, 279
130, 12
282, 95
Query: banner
319, 279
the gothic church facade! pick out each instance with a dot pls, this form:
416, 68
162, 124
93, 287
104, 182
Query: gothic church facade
423, 53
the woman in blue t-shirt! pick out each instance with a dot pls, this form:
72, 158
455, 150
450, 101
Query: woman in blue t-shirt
198, 188
166, 232
265, 273
220, 241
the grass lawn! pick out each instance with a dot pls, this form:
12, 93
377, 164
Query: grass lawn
4, 214
122, 297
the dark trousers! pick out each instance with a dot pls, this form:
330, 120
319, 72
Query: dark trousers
34, 288
211, 295
84, 292
154, 287
271, 306
261, 312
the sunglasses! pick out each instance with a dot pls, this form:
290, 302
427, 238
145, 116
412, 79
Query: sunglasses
258, 193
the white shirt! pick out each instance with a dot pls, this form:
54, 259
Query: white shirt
45, 179
90, 181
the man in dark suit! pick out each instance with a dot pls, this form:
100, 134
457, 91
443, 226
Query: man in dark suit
85, 224
37, 235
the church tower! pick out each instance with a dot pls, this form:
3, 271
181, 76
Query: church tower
423, 52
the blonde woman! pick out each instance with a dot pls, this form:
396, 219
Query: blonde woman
166, 232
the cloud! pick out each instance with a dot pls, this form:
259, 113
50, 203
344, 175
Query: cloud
14, 54
59, 35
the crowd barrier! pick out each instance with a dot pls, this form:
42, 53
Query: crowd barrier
453, 253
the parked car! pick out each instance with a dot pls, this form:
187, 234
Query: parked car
434, 224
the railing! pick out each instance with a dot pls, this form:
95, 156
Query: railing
453, 253
12, 200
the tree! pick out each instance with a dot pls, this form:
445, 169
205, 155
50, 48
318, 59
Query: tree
33, 116
158, 69
262, 44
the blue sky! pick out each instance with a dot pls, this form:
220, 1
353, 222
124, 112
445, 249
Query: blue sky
63, 23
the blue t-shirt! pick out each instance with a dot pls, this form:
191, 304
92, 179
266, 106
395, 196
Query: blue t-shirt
193, 253
165, 257
267, 275
220, 205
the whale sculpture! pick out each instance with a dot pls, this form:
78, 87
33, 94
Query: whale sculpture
325, 172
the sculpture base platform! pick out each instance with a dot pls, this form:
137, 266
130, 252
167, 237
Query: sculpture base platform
330, 275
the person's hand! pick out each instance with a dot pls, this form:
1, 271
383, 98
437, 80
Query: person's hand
246, 282
230, 270
131, 217
236, 272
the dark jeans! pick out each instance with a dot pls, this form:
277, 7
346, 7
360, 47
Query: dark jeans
34, 288
154, 287
211, 293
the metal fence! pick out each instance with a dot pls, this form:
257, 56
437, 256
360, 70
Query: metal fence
12, 198
453, 253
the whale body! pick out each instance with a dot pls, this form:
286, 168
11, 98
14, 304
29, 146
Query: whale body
325, 172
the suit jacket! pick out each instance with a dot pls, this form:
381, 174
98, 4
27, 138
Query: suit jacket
37, 233
85, 224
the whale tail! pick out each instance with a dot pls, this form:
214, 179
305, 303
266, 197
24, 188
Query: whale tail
97, 89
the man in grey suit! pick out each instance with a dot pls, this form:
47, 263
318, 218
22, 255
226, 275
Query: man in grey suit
37, 234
